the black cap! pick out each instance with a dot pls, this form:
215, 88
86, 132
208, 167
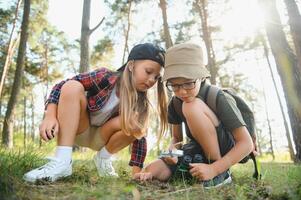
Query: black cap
146, 51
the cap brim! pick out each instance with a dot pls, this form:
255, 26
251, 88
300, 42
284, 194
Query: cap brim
121, 68
189, 72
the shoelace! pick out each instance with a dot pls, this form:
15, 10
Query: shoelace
108, 166
51, 164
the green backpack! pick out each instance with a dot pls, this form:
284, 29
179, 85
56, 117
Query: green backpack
211, 98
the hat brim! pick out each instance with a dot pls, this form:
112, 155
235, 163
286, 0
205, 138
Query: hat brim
187, 71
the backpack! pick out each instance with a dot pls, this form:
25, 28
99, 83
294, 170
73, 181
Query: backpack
211, 98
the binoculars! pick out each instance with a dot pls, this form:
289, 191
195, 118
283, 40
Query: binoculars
187, 159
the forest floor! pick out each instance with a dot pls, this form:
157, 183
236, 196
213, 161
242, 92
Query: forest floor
280, 180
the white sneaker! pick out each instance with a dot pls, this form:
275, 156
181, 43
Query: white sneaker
51, 171
104, 166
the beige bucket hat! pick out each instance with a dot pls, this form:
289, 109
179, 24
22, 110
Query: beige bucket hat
185, 60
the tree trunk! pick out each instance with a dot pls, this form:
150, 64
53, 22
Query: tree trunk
201, 6
287, 67
295, 26
7, 134
24, 122
167, 37
85, 36
258, 135
127, 33
10, 48
287, 132
269, 126
32, 118
1, 120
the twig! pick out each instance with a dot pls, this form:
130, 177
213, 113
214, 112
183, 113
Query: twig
179, 191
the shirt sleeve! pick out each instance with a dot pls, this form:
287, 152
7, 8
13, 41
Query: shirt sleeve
88, 80
173, 117
228, 112
139, 149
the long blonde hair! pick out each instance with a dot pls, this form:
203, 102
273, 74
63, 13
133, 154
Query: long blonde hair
135, 106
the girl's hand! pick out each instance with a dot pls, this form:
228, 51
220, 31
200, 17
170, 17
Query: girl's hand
143, 176
171, 160
173, 146
49, 128
202, 171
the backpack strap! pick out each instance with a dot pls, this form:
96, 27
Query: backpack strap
257, 167
211, 97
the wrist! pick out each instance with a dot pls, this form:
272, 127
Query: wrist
221, 165
50, 112
216, 168
48, 115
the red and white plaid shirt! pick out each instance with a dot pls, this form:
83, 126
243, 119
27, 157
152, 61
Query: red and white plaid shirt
99, 85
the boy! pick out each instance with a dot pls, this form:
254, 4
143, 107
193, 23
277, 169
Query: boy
221, 139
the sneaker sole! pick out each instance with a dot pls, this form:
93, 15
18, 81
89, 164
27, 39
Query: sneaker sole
61, 176
53, 179
227, 181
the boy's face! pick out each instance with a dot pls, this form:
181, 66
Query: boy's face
183, 88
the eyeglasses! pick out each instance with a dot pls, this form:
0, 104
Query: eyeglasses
186, 86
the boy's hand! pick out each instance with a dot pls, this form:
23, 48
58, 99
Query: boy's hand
202, 171
49, 128
143, 176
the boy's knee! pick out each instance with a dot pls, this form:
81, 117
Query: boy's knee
194, 106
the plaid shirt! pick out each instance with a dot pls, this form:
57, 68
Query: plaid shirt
99, 85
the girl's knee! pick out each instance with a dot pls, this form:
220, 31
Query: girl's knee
72, 88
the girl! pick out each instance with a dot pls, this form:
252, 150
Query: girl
220, 140
105, 111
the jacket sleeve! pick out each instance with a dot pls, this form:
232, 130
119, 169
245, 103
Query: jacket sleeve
88, 80
138, 153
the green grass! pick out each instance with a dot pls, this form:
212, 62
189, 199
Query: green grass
279, 181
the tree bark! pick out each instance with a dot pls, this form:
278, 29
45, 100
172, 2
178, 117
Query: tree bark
295, 26
201, 6
258, 135
167, 39
287, 67
32, 118
10, 48
287, 132
7, 134
85, 37
24, 122
127, 32
269, 126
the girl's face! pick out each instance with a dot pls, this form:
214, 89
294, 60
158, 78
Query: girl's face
183, 88
145, 73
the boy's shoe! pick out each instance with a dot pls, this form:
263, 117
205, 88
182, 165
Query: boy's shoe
51, 171
104, 166
219, 180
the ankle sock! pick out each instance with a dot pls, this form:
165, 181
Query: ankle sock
103, 153
64, 153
